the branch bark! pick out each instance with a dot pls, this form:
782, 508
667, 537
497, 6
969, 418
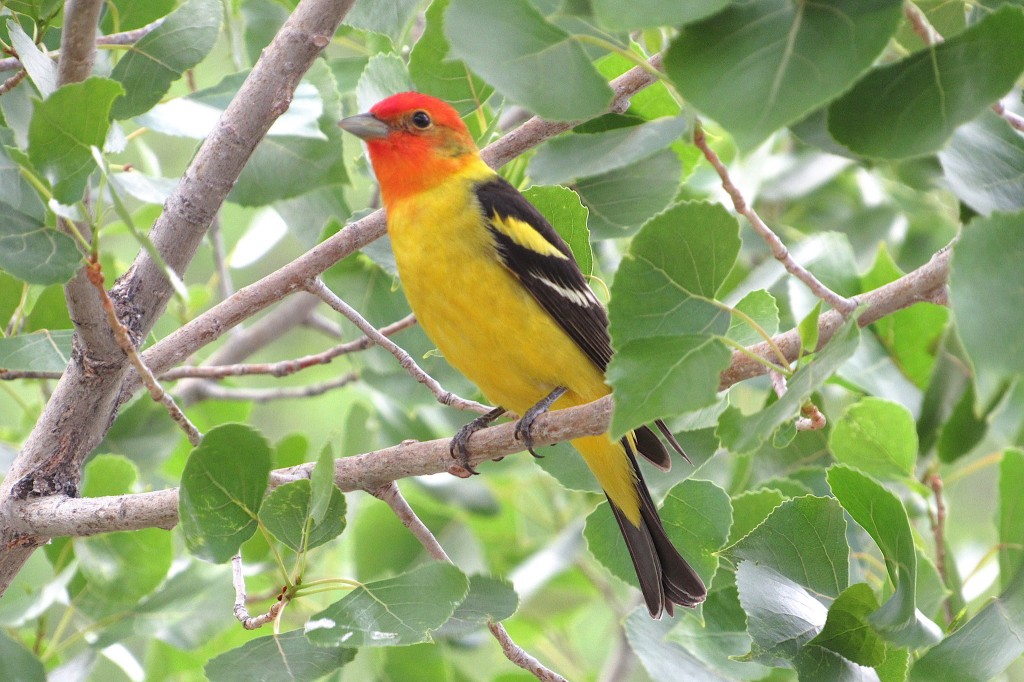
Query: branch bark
54, 516
85, 401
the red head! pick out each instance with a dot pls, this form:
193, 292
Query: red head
415, 141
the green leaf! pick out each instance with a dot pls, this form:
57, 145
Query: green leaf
107, 475
664, 322
510, 43
881, 514
386, 18
808, 329
696, 515
912, 335
758, 66
322, 485
288, 656
911, 107
623, 200
819, 560
984, 647
984, 165
745, 433
393, 612
121, 567
19, 663
63, 128
385, 75
15, 189
1011, 515
569, 157
43, 351
435, 74
158, 59
130, 15
287, 514
760, 307
287, 166
621, 16
41, 69
222, 489
964, 428
33, 252
878, 437
846, 630
489, 599
782, 615
562, 207
663, 658
987, 260
565, 465
750, 509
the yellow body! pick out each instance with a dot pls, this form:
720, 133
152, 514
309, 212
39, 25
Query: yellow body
485, 322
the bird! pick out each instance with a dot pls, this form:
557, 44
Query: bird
497, 290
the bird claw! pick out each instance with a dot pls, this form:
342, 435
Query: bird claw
524, 427
459, 447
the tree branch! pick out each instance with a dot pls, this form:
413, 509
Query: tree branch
392, 496
176, 347
65, 516
85, 401
443, 396
778, 249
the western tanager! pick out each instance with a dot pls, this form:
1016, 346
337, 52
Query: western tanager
498, 291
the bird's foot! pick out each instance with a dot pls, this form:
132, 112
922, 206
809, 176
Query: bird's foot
524, 427
459, 446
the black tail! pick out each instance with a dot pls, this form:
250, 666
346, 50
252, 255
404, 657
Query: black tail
665, 577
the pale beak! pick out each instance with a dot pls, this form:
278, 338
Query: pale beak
365, 126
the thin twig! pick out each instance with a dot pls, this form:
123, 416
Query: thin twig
285, 367
209, 326
317, 287
811, 418
10, 374
266, 395
156, 392
325, 326
125, 38
60, 515
938, 523
930, 36
12, 82
220, 261
392, 496
920, 24
845, 306
241, 612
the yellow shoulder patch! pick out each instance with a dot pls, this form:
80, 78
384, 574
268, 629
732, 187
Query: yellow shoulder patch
523, 234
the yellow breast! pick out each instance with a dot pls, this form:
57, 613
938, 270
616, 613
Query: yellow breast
482, 319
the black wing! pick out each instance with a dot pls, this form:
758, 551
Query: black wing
545, 267
541, 260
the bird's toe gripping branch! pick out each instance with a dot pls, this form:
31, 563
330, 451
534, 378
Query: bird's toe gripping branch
459, 446
524, 427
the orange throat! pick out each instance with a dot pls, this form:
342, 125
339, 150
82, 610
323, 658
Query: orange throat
407, 166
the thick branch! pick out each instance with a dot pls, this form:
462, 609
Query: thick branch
926, 284
63, 516
84, 403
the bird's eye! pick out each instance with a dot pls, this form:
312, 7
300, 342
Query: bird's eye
421, 120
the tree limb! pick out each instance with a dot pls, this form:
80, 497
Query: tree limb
84, 402
65, 516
